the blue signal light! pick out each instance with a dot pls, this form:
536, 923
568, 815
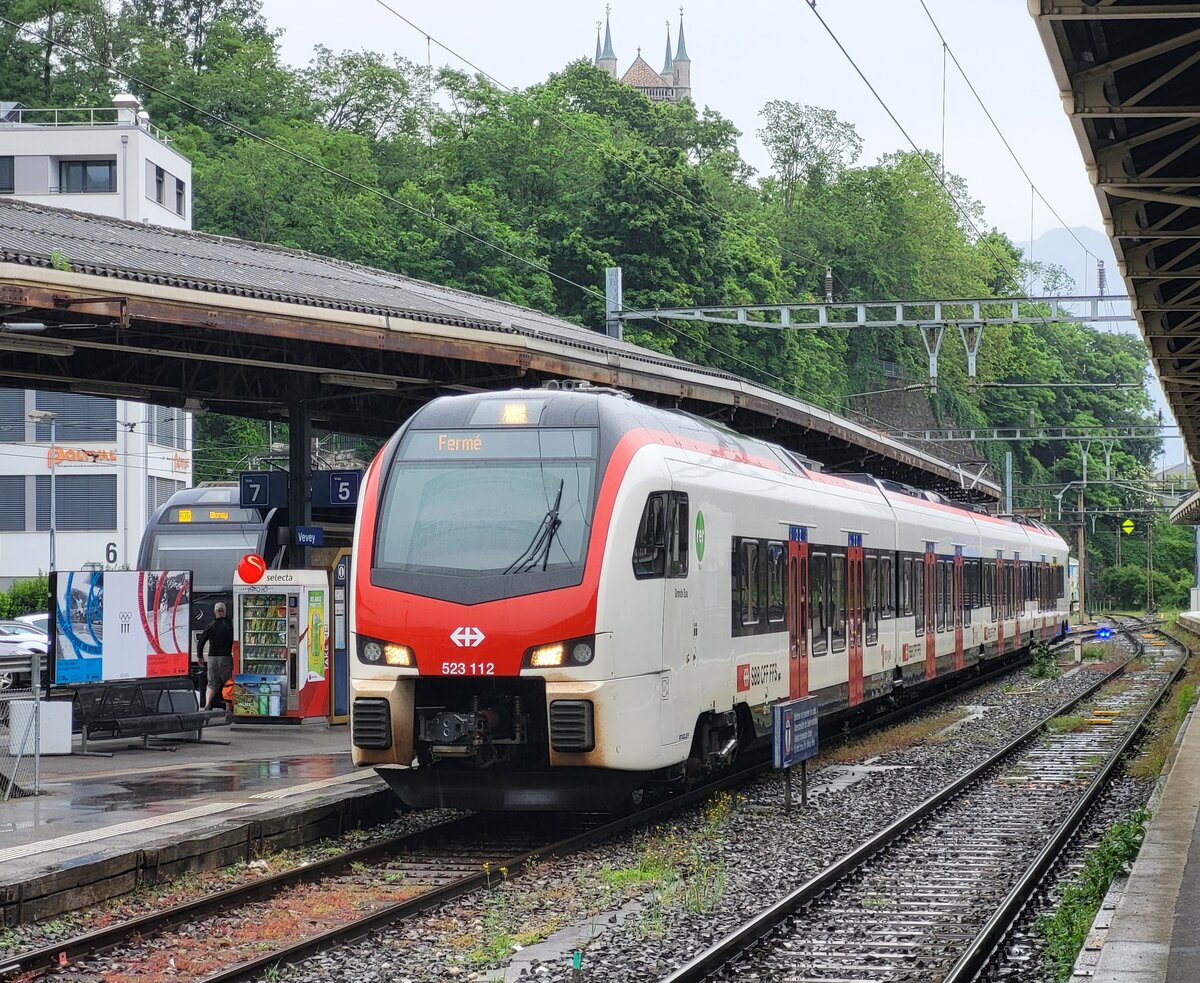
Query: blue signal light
1104, 632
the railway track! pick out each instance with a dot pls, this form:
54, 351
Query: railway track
931, 897
385, 882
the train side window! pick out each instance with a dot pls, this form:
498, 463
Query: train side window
917, 569
750, 582
837, 600
939, 598
906, 586
677, 535
650, 547
871, 600
887, 586
777, 605
818, 590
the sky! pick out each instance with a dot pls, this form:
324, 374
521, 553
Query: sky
752, 51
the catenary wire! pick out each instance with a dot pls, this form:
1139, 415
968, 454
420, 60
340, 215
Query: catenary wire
1000, 133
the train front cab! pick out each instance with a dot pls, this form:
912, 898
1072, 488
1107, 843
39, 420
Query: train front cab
467, 689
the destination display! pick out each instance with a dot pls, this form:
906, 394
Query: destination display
120, 624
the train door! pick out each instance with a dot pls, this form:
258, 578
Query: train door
680, 630
998, 609
854, 615
956, 604
797, 609
931, 600
1018, 597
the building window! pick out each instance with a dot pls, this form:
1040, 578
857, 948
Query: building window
12, 503
158, 490
167, 426
82, 502
160, 186
89, 418
7, 179
12, 416
180, 197
87, 176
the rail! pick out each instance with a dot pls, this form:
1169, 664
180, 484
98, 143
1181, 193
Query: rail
718, 960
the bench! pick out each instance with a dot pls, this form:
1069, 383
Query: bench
142, 708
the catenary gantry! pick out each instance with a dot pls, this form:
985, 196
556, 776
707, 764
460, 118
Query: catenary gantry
104, 306
1127, 70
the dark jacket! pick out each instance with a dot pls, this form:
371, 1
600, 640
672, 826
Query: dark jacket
219, 637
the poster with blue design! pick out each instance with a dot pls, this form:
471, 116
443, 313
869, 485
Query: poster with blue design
120, 624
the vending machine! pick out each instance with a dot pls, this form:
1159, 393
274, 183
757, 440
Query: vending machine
281, 646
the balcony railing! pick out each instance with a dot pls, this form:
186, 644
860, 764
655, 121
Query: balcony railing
78, 117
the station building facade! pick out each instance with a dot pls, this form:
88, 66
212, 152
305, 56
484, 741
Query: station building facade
114, 461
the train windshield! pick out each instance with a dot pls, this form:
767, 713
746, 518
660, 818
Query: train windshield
211, 554
488, 503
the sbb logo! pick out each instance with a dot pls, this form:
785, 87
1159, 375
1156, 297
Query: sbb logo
743, 677
467, 638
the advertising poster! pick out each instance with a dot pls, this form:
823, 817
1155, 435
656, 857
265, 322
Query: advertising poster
121, 624
317, 630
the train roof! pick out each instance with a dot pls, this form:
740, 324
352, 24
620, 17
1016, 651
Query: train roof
589, 406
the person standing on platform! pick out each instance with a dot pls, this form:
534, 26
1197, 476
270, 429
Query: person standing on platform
218, 636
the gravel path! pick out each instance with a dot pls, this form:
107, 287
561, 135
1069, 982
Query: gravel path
642, 905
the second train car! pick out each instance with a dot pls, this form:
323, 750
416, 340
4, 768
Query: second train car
560, 597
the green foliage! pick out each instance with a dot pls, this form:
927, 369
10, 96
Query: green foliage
1043, 665
1067, 928
27, 596
1184, 701
374, 160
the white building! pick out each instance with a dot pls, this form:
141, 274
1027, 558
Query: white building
115, 461
107, 161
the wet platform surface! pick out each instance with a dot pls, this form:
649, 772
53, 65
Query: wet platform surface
97, 806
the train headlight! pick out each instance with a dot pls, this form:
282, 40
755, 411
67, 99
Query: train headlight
576, 651
375, 652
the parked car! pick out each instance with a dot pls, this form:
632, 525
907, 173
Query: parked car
34, 640
17, 650
39, 621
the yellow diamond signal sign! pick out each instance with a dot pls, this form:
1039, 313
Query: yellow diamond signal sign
1127, 526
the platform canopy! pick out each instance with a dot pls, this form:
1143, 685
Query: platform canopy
1127, 72
103, 306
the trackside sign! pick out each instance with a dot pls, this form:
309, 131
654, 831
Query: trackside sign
793, 731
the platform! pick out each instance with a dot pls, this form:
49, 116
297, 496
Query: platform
1148, 930
105, 825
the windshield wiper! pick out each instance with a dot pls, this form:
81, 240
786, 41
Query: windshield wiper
538, 550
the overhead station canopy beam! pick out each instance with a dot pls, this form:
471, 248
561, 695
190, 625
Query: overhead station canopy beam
209, 321
1126, 72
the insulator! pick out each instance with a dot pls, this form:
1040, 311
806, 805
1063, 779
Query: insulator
1101, 277
828, 285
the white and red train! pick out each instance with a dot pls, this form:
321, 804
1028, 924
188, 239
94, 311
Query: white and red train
562, 596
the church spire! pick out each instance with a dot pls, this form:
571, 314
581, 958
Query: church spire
606, 59
667, 65
608, 48
681, 49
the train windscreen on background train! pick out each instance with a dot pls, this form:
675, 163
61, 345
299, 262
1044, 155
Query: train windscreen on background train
211, 554
486, 503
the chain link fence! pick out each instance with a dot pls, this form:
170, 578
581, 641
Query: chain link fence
20, 725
